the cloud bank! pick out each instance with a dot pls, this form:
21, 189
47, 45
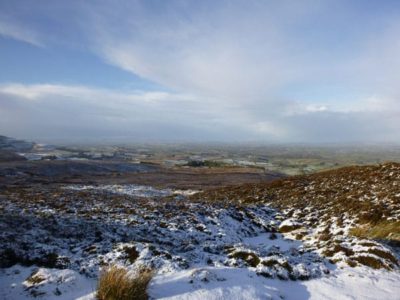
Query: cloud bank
83, 113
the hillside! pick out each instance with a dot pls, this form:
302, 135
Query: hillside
329, 235
330, 209
9, 148
11, 144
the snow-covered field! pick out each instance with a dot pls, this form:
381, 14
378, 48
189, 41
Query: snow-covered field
209, 283
55, 240
234, 283
20, 282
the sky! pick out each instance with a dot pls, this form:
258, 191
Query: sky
304, 71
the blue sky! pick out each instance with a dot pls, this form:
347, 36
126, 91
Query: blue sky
30, 64
268, 71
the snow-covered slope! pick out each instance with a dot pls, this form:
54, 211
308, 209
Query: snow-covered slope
350, 214
233, 283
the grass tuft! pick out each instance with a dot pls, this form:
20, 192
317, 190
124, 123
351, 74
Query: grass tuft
116, 284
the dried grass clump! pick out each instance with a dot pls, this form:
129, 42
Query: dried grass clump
250, 258
337, 249
116, 284
132, 254
289, 228
370, 261
35, 278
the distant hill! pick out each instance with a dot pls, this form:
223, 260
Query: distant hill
9, 148
11, 144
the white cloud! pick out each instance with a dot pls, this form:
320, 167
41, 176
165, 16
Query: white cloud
46, 110
78, 112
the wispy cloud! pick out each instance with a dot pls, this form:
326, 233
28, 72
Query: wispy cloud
19, 32
229, 51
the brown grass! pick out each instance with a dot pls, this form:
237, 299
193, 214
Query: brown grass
132, 254
289, 228
337, 191
250, 258
370, 261
383, 254
116, 284
35, 278
336, 249
384, 230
